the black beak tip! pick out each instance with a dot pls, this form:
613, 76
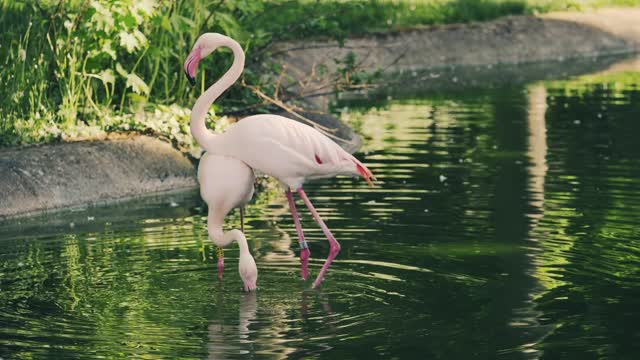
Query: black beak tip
192, 81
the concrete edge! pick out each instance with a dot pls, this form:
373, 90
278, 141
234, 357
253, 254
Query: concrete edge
54, 176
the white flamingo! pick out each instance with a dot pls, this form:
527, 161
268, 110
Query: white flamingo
227, 183
283, 148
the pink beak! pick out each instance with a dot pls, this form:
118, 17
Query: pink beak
191, 65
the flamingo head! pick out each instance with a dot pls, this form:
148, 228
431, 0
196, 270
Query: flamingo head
248, 271
204, 46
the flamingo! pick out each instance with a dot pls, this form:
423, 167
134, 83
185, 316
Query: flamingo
227, 183
290, 151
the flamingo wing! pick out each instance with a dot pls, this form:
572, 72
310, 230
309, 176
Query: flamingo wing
288, 150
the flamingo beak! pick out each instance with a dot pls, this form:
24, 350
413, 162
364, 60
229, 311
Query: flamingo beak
368, 180
191, 65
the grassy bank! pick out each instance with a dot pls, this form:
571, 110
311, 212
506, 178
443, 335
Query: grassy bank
80, 68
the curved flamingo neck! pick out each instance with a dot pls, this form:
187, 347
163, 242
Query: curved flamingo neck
239, 237
224, 239
199, 112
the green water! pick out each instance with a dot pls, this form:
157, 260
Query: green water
503, 226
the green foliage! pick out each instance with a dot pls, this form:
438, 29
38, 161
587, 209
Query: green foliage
87, 66
74, 67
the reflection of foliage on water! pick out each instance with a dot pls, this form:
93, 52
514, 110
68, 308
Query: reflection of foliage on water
584, 254
101, 293
589, 252
462, 156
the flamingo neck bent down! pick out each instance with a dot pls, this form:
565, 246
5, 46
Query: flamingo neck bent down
199, 112
224, 239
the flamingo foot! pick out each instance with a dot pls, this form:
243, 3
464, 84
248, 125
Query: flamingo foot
220, 267
304, 263
333, 252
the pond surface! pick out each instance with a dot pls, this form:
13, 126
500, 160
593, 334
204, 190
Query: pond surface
504, 226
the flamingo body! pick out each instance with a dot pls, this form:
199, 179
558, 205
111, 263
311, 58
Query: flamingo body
225, 183
290, 151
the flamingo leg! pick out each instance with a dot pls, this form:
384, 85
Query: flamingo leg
242, 219
220, 255
334, 246
219, 250
304, 248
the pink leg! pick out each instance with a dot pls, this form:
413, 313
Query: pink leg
304, 248
220, 255
334, 246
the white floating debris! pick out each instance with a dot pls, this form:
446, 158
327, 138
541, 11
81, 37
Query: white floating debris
72, 225
426, 210
599, 116
442, 178
454, 79
173, 204
91, 218
370, 202
577, 122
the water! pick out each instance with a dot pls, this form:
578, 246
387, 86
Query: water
504, 226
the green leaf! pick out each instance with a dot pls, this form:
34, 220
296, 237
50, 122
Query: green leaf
107, 76
107, 48
128, 41
121, 70
137, 84
145, 6
165, 24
